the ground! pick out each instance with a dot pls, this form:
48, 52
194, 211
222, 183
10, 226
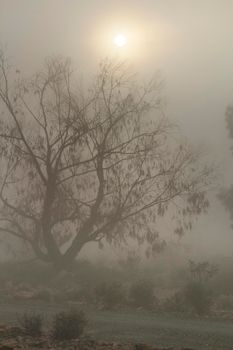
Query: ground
140, 327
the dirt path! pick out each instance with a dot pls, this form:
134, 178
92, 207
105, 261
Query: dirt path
141, 327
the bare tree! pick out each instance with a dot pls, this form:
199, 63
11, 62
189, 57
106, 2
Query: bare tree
105, 166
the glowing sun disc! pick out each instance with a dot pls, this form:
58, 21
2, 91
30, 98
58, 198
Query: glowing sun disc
120, 40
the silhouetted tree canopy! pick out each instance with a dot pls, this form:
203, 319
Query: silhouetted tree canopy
83, 167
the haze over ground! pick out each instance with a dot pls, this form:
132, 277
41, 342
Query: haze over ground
188, 41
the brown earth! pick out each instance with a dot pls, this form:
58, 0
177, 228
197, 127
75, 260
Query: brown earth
12, 338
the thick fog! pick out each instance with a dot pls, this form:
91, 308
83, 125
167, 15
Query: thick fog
189, 42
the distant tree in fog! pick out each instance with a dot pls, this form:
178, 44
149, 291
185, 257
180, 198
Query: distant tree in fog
79, 168
202, 271
226, 194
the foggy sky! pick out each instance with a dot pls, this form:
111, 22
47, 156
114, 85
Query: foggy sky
190, 41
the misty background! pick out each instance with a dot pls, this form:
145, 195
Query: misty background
189, 42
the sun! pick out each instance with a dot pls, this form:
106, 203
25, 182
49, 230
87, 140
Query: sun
120, 40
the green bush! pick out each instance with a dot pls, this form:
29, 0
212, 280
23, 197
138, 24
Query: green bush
31, 324
141, 294
198, 297
109, 295
68, 325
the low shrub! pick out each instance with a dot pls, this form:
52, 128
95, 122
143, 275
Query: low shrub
175, 303
141, 294
225, 302
69, 294
31, 324
109, 295
68, 325
44, 295
198, 297
19, 272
